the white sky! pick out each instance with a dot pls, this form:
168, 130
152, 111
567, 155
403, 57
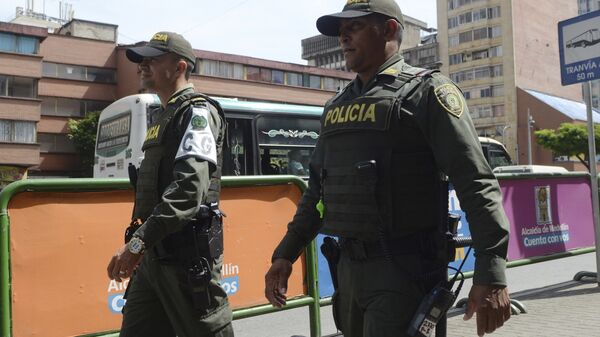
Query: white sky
269, 29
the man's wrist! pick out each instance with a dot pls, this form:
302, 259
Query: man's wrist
136, 245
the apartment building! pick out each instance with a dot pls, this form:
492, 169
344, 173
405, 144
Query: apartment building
48, 78
490, 48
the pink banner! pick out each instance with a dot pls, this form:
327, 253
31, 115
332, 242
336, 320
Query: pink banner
548, 215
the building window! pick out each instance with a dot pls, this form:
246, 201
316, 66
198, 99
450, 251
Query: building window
465, 37
456, 58
67, 107
481, 33
265, 75
452, 22
453, 41
253, 73
80, 73
52, 142
314, 82
494, 12
17, 131
495, 32
294, 79
330, 83
485, 92
277, 77
498, 90
15, 86
238, 71
496, 51
465, 18
498, 110
18, 43
480, 14
217, 68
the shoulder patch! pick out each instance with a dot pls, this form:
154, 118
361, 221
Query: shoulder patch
198, 140
450, 98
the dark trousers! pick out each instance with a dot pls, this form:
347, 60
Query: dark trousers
377, 297
159, 304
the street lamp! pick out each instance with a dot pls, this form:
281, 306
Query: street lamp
504, 133
530, 123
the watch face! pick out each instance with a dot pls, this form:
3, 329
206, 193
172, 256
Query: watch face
136, 245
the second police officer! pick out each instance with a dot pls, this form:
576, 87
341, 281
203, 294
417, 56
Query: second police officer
376, 180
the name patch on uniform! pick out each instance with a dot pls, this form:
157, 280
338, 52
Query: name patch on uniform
450, 99
152, 132
155, 132
368, 114
198, 140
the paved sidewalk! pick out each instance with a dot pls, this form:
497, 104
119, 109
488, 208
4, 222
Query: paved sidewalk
556, 305
568, 309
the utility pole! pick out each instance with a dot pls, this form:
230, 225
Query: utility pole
530, 123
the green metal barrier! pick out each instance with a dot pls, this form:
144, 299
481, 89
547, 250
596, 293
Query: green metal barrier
87, 185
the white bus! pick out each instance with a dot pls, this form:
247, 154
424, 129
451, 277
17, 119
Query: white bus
262, 138
121, 132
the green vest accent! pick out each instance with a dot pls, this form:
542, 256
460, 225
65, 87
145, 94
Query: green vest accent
160, 147
398, 194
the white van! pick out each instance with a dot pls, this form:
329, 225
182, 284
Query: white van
121, 131
495, 152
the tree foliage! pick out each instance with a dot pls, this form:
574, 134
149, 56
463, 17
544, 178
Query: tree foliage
568, 140
83, 133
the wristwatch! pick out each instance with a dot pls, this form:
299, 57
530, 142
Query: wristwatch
136, 245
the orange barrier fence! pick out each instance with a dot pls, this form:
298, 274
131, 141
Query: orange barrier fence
61, 242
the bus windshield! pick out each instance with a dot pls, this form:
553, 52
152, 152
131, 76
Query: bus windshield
113, 134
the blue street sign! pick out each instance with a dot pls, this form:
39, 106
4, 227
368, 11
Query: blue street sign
579, 45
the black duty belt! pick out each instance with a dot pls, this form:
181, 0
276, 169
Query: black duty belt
413, 244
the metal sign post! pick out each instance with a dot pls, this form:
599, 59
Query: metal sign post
579, 46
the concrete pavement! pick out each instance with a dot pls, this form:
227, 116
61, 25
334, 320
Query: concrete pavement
556, 305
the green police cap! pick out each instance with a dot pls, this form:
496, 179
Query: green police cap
330, 24
160, 44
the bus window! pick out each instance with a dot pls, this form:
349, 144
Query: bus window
286, 144
237, 158
280, 160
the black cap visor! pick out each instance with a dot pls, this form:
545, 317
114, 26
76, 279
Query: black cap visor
137, 54
330, 24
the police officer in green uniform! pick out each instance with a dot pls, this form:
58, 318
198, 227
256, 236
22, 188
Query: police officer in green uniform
175, 255
377, 178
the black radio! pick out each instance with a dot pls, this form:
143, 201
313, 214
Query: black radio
433, 307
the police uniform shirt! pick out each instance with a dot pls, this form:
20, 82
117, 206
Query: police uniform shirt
440, 110
195, 161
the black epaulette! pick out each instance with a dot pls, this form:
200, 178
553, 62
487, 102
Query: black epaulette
411, 72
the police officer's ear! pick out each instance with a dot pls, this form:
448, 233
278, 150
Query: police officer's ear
391, 29
181, 65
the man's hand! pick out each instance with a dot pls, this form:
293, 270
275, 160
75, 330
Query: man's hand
276, 281
122, 264
492, 305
